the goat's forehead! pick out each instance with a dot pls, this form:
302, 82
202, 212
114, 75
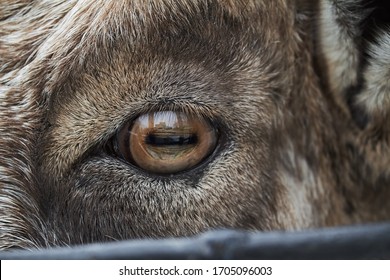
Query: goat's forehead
92, 33
135, 18
51, 34
101, 23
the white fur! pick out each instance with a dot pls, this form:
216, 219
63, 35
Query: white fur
300, 192
376, 94
341, 54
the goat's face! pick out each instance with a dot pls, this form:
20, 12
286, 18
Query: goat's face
127, 119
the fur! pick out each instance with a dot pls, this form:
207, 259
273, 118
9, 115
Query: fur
276, 76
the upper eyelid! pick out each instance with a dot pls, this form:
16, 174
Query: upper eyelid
213, 120
174, 104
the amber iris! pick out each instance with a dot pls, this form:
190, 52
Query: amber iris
167, 142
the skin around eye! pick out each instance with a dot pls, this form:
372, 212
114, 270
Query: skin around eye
167, 142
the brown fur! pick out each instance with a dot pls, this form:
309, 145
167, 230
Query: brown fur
291, 153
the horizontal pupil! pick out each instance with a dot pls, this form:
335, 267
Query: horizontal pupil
171, 140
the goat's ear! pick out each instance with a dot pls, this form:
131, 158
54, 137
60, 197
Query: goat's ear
338, 41
354, 42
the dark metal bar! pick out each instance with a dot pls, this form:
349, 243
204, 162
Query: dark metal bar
355, 242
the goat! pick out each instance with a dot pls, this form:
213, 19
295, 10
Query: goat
133, 119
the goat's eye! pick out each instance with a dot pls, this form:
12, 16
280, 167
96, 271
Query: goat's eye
167, 142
